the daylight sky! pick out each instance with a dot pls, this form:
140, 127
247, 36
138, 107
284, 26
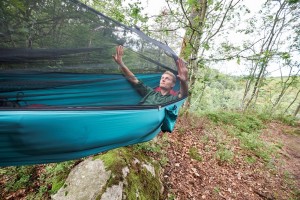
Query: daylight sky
154, 6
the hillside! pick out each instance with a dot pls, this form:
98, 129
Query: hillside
208, 161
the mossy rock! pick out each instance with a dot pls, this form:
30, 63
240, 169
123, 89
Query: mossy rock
137, 173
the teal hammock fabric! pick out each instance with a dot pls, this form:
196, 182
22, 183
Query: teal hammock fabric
55, 121
62, 96
33, 137
40, 90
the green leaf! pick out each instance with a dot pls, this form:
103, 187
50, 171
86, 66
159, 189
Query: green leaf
285, 55
206, 46
238, 60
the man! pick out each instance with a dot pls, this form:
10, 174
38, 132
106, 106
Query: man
167, 82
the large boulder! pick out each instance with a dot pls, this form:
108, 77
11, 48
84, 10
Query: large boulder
115, 175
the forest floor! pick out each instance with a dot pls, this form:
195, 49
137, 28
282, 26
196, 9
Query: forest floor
187, 176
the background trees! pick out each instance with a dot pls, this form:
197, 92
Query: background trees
207, 34
268, 41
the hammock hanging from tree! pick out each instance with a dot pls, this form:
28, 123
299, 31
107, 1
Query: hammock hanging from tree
62, 96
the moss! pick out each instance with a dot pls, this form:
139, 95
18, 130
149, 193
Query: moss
57, 173
56, 185
114, 161
142, 185
138, 181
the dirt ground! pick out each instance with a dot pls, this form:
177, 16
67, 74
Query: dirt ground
186, 178
290, 151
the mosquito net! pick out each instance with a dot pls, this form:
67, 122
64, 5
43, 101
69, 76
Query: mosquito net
58, 53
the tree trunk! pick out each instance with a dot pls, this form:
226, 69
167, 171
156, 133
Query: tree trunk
191, 43
266, 53
297, 110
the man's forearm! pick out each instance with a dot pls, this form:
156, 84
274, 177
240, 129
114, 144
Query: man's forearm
184, 89
128, 74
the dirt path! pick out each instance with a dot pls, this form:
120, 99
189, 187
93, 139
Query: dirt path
289, 137
207, 178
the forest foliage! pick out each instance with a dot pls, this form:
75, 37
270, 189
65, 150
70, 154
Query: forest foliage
207, 34
220, 33
202, 32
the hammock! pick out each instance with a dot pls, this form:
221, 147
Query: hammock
62, 96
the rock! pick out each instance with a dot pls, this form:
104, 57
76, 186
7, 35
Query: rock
84, 182
113, 193
150, 168
114, 175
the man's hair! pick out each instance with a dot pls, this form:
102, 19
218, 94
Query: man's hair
171, 74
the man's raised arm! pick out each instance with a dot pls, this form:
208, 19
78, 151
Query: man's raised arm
118, 59
183, 77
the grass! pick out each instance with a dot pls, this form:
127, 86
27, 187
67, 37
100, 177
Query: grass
224, 155
244, 123
57, 173
18, 177
247, 128
217, 190
250, 159
194, 154
49, 178
147, 146
154, 147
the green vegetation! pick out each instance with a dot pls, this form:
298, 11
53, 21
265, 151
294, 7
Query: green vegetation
224, 155
217, 97
246, 128
114, 160
219, 92
194, 154
224, 123
56, 174
18, 177
143, 185
140, 182
46, 179
154, 148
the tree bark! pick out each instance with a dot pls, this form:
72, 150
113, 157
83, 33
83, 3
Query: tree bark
191, 43
297, 110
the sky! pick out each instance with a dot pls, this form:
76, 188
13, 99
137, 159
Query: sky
154, 6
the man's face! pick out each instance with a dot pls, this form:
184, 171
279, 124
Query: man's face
166, 82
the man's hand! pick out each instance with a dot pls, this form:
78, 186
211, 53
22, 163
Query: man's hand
118, 58
182, 70
183, 77
119, 54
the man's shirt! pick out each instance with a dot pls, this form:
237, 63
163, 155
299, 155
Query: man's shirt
152, 97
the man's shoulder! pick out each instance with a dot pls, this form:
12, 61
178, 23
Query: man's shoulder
172, 92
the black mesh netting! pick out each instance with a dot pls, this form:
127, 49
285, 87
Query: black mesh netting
59, 53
